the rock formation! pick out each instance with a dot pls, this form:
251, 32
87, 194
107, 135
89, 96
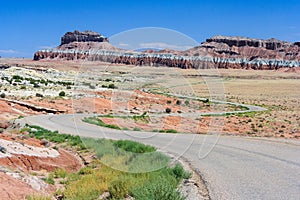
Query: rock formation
86, 36
216, 52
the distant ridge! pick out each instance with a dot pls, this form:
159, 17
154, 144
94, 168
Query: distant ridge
216, 52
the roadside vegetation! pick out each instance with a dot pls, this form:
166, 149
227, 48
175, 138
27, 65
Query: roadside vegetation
143, 118
121, 169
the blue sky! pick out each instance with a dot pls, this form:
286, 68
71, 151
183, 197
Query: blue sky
27, 26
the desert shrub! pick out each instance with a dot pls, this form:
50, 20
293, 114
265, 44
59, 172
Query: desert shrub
101, 146
134, 147
136, 129
49, 180
186, 102
168, 110
99, 122
157, 189
87, 187
60, 173
18, 81
39, 95
169, 101
143, 117
17, 77
205, 101
179, 172
62, 94
170, 131
85, 170
35, 85
178, 102
2, 95
38, 197
112, 86
119, 187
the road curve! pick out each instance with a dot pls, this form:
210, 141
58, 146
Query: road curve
232, 167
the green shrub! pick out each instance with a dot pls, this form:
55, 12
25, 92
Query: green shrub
17, 77
112, 86
178, 102
60, 173
62, 94
2, 95
134, 147
158, 189
39, 95
187, 102
85, 170
178, 172
119, 187
35, 85
99, 122
171, 131
168, 110
205, 101
54, 136
136, 129
38, 197
49, 180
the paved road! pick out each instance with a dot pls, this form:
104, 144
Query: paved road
232, 167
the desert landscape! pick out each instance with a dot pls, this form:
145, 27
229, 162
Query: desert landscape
129, 96
149, 100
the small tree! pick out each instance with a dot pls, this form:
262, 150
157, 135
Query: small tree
62, 94
2, 95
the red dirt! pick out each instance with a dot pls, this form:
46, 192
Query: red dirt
22, 139
12, 188
65, 161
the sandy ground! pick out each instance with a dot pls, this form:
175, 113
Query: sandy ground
275, 90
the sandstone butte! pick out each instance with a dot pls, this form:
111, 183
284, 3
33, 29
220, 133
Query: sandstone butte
215, 52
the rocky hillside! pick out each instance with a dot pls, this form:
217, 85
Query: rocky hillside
218, 51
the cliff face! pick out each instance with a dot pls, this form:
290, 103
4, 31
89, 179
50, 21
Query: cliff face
218, 52
240, 47
271, 44
86, 36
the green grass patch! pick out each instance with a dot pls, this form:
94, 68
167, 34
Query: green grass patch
97, 121
123, 168
134, 147
54, 136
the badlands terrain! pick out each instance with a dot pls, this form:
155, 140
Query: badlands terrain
107, 89
204, 90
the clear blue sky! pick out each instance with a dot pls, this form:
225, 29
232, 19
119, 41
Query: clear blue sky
28, 25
